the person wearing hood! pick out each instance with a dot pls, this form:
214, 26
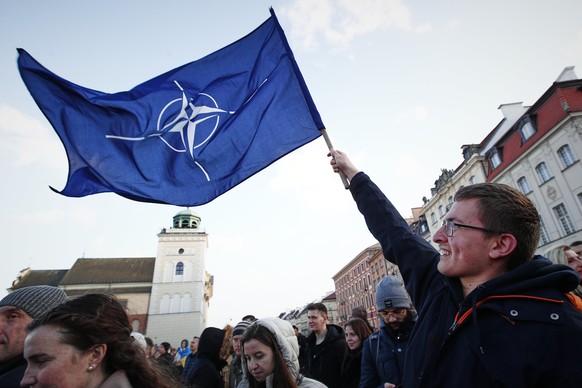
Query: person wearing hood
271, 356
326, 345
213, 350
490, 313
384, 351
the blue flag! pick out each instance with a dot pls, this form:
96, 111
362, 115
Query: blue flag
186, 136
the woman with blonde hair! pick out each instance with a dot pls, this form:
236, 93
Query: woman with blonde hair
564, 254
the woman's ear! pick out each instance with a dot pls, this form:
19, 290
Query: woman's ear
98, 354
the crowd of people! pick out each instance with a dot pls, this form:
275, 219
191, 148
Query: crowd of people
481, 311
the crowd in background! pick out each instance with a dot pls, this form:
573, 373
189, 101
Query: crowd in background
483, 310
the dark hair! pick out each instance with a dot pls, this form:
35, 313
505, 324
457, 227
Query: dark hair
166, 346
506, 210
360, 327
149, 341
359, 312
317, 306
184, 340
95, 319
575, 244
282, 377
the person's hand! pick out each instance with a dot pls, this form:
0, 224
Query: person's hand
388, 385
341, 162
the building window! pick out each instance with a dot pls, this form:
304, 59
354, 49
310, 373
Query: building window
543, 172
565, 222
180, 268
566, 156
494, 158
524, 187
527, 130
450, 204
472, 180
433, 218
544, 236
441, 211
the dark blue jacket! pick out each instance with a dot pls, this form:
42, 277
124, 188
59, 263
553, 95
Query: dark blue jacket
383, 357
12, 372
515, 330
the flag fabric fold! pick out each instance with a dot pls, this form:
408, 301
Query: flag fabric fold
188, 135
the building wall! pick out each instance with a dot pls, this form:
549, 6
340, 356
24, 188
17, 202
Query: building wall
178, 306
355, 284
564, 188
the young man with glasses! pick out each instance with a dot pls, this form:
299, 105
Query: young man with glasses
384, 350
490, 312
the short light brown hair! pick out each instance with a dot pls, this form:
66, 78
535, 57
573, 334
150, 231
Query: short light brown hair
506, 210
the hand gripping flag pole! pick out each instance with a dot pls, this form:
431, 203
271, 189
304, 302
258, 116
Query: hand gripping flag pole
330, 146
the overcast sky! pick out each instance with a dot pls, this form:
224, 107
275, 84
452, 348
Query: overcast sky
400, 85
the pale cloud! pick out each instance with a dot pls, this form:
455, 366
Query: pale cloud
77, 215
26, 140
417, 113
572, 48
307, 175
232, 243
339, 22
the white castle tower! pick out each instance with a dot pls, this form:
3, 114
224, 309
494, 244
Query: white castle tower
181, 287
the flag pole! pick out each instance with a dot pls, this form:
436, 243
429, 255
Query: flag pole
330, 146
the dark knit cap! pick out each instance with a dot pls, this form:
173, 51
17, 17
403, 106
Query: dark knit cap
240, 327
390, 293
35, 300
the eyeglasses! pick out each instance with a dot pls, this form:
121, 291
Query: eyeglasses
450, 228
393, 314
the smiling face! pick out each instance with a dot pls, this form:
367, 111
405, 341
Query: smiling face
466, 254
574, 261
52, 363
260, 359
353, 340
317, 320
13, 323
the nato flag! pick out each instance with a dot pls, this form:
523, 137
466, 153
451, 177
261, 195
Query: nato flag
186, 136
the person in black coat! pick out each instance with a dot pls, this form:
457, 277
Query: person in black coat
326, 346
490, 311
213, 350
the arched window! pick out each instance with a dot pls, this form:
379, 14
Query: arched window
523, 185
543, 172
566, 156
180, 268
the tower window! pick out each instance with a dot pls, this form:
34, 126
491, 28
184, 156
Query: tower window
180, 268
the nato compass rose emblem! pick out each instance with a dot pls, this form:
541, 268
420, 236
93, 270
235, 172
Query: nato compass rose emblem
195, 123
